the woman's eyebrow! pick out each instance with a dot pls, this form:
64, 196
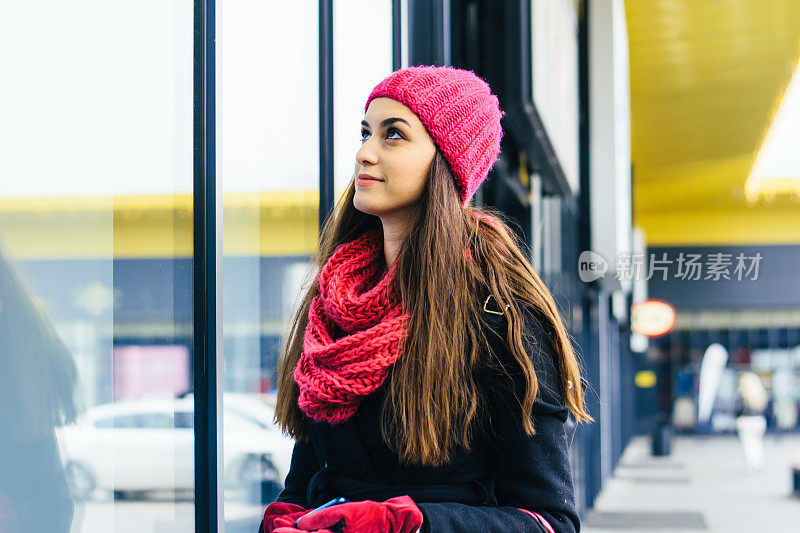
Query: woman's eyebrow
389, 121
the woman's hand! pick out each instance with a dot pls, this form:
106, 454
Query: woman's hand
395, 515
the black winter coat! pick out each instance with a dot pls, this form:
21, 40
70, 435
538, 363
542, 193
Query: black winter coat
478, 490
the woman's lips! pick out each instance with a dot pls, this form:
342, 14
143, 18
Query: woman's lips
365, 180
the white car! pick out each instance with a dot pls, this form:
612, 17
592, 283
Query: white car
148, 445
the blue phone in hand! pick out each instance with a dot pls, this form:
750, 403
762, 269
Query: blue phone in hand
335, 501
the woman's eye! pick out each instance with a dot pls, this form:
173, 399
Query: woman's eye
395, 130
390, 132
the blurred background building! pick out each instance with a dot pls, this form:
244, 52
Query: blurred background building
650, 152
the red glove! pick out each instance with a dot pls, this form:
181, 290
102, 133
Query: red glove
395, 515
281, 514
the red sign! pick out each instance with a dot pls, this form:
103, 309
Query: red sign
653, 317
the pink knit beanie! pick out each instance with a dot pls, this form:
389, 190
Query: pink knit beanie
460, 113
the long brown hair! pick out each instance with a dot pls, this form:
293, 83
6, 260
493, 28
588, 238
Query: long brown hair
432, 398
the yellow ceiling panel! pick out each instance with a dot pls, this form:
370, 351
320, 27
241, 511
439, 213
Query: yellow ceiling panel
705, 79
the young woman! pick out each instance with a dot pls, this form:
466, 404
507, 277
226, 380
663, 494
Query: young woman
427, 375
750, 421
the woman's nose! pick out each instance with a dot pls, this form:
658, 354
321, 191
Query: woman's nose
366, 154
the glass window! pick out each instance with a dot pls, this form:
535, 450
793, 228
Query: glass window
362, 33
184, 420
269, 176
95, 262
129, 422
155, 421
105, 423
96, 243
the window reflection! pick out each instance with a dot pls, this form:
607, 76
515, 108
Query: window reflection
38, 377
96, 265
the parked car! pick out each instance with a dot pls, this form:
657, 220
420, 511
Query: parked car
148, 445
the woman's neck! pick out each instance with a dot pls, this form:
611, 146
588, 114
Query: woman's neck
393, 237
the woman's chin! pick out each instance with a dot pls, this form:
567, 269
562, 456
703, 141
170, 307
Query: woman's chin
366, 206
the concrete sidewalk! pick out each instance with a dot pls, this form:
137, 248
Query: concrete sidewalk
701, 486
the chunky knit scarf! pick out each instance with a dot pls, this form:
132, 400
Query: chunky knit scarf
355, 331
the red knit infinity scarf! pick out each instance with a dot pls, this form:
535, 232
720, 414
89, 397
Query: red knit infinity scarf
338, 369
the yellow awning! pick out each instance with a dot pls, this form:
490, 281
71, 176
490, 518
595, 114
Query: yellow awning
706, 78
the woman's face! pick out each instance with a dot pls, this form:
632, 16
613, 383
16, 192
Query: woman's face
397, 150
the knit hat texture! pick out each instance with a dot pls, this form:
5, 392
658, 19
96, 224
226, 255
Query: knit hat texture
460, 113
